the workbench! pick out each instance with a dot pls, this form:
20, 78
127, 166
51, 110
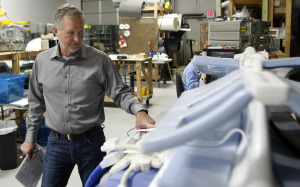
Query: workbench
139, 68
15, 57
277, 54
157, 62
21, 106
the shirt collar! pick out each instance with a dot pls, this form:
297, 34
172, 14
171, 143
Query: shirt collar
81, 53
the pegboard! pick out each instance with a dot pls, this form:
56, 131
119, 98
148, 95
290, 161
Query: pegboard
142, 31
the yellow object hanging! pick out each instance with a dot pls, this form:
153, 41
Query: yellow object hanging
2, 12
23, 22
168, 5
5, 22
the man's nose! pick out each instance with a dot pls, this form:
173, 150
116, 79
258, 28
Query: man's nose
77, 37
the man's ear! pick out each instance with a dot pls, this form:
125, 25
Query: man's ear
55, 30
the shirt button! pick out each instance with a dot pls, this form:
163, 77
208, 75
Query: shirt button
66, 91
66, 106
66, 77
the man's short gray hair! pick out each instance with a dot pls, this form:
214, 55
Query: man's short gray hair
65, 10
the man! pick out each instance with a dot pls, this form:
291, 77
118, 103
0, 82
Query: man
69, 82
191, 76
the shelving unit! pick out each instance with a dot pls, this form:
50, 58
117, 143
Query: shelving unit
268, 12
263, 4
157, 10
285, 11
107, 35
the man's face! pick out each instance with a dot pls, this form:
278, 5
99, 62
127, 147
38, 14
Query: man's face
70, 36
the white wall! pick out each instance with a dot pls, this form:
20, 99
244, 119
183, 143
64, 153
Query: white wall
35, 11
92, 11
194, 6
100, 12
109, 13
76, 3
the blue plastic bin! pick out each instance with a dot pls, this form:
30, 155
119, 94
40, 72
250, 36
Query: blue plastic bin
42, 133
11, 87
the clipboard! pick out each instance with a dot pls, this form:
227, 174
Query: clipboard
30, 171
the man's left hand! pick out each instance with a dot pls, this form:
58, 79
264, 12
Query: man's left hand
142, 119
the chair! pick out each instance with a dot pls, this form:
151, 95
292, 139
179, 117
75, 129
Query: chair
179, 84
4, 68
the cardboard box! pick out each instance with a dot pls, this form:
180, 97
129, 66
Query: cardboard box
141, 56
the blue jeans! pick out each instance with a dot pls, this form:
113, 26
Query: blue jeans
62, 155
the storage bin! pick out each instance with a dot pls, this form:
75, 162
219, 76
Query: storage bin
42, 133
11, 87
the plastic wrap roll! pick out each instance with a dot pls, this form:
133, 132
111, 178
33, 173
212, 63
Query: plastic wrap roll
175, 15
225, 4
151, 2
168, 23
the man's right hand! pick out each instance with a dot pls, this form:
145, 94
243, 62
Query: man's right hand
27, 148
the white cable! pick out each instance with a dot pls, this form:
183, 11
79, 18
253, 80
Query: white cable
156, 163
125, 177
111, 159
133, 167
222, 141
128, 147
240, 149
112, 146
122, 164
242, 146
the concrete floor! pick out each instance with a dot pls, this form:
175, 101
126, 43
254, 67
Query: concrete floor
117, 124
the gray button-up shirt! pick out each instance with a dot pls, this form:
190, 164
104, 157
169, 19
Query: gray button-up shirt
72, 91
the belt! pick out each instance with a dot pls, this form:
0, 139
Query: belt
75, 137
